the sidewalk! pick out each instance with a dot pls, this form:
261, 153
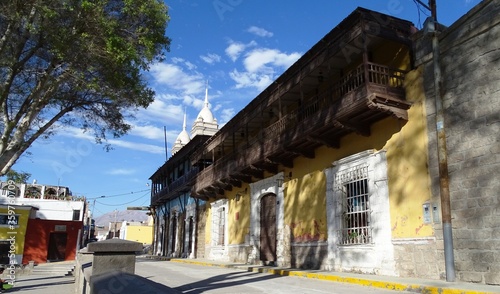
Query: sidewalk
51, 283
49, 278
44, 284
384, 282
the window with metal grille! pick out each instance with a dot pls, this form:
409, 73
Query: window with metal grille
352, 185
219, 226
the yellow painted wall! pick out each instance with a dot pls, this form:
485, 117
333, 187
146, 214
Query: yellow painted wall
238, 215
208, 225
141, 234
305, 206
305, 194
20, 231
409, 182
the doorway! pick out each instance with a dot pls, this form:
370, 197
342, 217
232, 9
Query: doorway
268, 229
57, 246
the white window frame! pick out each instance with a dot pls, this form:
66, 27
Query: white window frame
219, 214
378, 197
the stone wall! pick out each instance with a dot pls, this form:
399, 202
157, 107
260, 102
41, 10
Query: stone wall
309, 256
419, 258
201, 221
470, 64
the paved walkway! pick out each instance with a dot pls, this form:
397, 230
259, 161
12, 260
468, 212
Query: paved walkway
385, 282
48, 278
44, 284
53, 282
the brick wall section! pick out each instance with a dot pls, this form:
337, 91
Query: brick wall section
470, 63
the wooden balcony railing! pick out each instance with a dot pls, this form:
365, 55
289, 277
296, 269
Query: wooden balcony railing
176, 185
381, 79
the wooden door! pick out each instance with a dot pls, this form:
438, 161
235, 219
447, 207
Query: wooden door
268, 228
57, 246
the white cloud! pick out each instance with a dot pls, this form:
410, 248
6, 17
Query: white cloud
211, 58
174, 77
262, 66
77, 133
162, 109
148, 132
227, 114
137, 146
258, 59
189, 65
259, 32
248, 79
235, 49
121, 172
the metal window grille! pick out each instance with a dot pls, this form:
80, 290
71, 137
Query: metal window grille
218, 228
222, 224
352, 185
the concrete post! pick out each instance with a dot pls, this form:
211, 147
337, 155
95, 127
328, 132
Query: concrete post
114, 255
104, 257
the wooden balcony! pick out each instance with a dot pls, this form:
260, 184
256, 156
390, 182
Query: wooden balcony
342, 85
182, 184
361, 97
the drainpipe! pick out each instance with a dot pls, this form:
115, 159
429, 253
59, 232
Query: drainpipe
442, 154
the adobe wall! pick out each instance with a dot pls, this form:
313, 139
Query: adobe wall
470, 64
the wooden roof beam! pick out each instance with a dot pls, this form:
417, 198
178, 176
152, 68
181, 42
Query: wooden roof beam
267, 166
359, 129
284, 162
329, 142
243, 177
303, 152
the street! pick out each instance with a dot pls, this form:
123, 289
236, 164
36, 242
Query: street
187, 278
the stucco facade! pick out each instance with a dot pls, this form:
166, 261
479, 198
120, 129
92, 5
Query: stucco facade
365, 197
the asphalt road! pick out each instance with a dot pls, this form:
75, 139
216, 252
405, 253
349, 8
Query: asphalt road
187, 278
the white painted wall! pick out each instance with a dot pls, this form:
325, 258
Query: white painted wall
377, 257
51, 209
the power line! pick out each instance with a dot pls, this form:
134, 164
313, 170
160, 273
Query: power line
145, 194
419, 5
117, 195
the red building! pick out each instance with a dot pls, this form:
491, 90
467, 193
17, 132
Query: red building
51, 240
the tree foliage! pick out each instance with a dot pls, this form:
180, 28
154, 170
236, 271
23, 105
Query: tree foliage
17, 177
77, 63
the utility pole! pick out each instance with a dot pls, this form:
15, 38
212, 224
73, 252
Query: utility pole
114, 226
92, 217
444, 181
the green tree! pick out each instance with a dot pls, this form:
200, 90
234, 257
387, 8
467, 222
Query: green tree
76, 63
17, 177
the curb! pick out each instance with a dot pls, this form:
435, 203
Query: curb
333, 277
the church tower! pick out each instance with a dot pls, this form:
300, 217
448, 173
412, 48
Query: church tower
205, 123
182, 139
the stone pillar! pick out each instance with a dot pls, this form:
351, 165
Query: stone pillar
113, 255
83, 261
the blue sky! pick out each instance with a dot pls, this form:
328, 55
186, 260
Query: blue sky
239, 47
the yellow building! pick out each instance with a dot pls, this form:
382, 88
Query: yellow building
13, 225
313, 173
137, 231
330, 166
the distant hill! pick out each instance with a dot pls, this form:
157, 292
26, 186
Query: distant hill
125, 215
